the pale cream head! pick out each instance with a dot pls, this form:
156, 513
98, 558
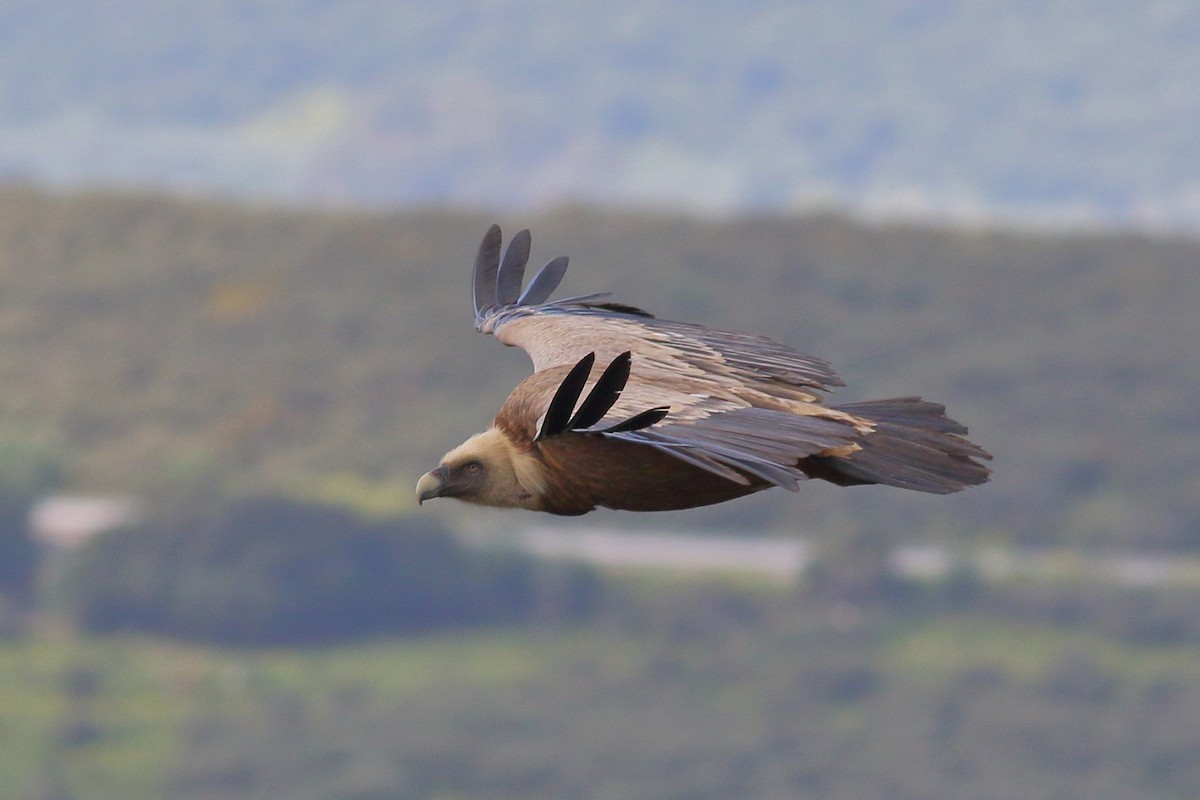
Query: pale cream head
487, 470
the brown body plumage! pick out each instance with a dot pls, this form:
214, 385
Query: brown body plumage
672, 415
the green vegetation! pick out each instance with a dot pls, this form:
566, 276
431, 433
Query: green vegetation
106, 718
274, 571
167, 347
687, 690
250, 373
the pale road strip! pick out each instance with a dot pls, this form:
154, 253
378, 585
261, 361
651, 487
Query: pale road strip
784, 558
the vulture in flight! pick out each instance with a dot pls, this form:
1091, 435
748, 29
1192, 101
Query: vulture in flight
627, 411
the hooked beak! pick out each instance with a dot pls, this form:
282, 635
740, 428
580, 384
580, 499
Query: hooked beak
431, 485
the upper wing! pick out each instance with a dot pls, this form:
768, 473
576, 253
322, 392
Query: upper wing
557, 333
737, 405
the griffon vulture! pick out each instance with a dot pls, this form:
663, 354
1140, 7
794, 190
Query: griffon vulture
674, 415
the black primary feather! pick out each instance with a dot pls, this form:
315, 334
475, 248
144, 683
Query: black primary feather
487, 264
621, 308
603, 394
558, 415
512, 269
599, 401
638, 421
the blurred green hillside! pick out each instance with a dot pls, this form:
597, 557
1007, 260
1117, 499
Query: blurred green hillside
694, 691
239, 643
152, 344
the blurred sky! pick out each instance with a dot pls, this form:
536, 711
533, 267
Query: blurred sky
1040, 112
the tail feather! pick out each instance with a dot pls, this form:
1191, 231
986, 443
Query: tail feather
914, 446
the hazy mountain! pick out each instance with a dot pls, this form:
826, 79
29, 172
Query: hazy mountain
1066, 110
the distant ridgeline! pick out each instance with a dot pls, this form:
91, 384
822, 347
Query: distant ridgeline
890, 108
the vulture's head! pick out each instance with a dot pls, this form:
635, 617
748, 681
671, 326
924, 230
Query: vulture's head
485, 469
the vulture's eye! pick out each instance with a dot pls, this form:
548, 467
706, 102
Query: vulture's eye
472, 468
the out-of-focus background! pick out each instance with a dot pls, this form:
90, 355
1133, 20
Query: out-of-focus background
235, 244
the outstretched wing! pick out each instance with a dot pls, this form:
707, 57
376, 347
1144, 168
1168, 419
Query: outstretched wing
740, 406
560, 332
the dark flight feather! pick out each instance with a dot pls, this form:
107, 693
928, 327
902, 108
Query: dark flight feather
558, 414
544, 282
603, 395
512, 269
487, 264
638, 421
